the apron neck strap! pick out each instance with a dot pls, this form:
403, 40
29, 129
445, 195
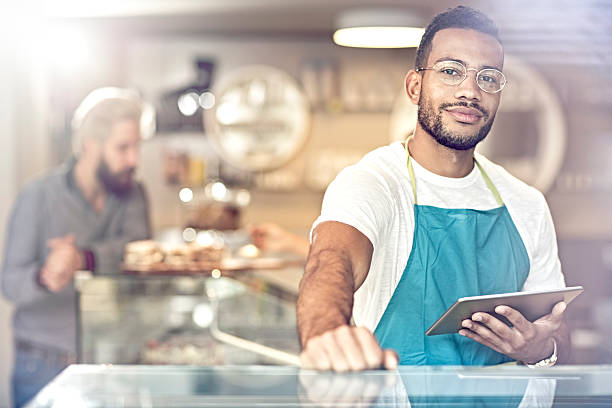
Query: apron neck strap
486, 178
410, 170
490, 184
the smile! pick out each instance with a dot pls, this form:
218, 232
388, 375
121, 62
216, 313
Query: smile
465, 115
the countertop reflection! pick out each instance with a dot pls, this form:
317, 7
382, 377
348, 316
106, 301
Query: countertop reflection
248, 386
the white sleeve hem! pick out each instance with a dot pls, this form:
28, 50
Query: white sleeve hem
345, 219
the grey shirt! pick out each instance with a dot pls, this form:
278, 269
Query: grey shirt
53, 206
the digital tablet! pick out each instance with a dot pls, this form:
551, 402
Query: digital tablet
532, 305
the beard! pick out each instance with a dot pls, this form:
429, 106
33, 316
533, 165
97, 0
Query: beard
431, 122
119, 183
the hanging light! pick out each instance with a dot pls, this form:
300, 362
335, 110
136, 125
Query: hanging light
378, 28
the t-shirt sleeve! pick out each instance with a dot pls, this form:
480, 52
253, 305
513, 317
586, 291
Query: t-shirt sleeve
359, 198
545, 270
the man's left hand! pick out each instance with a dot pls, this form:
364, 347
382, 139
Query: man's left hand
526, 341
63, 261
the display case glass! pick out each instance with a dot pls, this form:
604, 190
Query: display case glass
192, 320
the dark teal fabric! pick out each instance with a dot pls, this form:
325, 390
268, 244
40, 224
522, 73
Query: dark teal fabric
455, 253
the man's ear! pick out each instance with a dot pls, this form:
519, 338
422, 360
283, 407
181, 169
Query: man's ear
91, 147
413, 86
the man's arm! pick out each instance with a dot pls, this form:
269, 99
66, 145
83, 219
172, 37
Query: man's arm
22, 262
337, 265
136, 226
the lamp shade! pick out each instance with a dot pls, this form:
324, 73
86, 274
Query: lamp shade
378, 28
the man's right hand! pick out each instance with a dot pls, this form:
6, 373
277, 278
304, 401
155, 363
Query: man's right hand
347, 348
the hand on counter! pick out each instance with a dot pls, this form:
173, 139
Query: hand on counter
526, 341
271, 237
347, 348
61, 264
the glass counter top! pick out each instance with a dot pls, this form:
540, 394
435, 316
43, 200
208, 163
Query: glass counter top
278, 386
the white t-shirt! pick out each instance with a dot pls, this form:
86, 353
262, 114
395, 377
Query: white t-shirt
375, 197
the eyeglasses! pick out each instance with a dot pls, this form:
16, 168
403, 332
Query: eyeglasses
489, 80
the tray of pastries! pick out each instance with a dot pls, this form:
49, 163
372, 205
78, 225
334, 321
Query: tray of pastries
151, 257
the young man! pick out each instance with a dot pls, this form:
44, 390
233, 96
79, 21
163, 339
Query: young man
78, 216
414, 226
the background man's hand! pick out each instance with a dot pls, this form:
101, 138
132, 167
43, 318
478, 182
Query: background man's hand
63, 261
271, 237
347, 348
525, 341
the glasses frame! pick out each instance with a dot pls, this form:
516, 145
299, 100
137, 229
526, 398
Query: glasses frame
502, 86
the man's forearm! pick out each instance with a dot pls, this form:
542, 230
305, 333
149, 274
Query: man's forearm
326, 293
20, 284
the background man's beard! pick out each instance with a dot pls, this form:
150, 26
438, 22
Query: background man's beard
113, 182
432, 124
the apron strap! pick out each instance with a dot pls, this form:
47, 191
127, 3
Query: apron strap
410, 170
490, 184
486, 178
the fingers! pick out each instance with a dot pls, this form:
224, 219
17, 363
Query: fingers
489, 329
515, 317
476, 337
57, 270
508, 340
54, 242
558, 310
59, 241
347, 349
554, 319
51, 280
332, 342
372, 352
354, 356
525, 341
390, 359
315, 356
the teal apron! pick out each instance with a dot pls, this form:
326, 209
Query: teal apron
455, 253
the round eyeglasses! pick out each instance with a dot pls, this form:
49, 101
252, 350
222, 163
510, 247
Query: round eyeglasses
490, 80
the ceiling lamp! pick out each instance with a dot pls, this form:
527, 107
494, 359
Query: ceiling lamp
378, 28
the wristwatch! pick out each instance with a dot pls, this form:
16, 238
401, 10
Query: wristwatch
547, 362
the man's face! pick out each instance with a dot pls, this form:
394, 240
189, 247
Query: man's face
120, 157
459, 116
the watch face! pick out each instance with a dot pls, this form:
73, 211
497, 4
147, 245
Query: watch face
260, 119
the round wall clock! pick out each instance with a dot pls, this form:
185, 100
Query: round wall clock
260, 119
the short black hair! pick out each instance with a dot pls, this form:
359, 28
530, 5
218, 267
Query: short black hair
458, 17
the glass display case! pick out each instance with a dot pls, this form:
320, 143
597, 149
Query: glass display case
191, 320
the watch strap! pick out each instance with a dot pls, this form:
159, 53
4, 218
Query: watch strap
547, 362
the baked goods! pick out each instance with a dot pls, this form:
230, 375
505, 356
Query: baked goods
207, 253
181, 350
176, 254
214, 216
143, 253
149, 255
